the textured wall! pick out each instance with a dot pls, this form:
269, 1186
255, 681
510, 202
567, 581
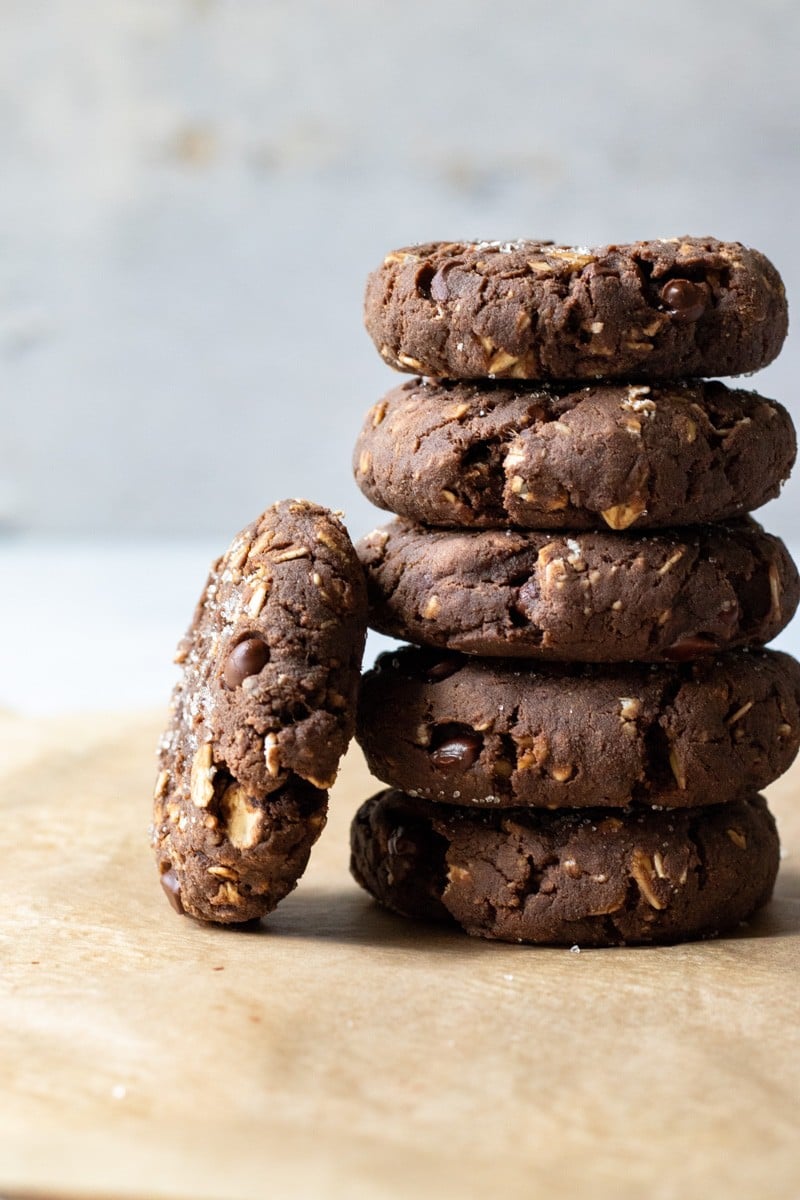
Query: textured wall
192, 194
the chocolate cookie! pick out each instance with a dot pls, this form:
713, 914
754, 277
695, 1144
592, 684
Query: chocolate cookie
482, 455
567, 878
506, 734
667, 309
594, 597
263, 711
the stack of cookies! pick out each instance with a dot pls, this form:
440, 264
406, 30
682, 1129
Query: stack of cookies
576, 742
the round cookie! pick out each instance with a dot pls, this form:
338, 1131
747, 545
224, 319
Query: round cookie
568, 878
595, 597
617, 456
487, 732
263, 711
667, 309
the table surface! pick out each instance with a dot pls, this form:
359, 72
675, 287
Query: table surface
340, 1051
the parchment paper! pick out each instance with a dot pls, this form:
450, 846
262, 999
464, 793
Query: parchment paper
343, 1052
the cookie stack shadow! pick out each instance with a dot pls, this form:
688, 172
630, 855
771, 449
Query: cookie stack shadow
575, 742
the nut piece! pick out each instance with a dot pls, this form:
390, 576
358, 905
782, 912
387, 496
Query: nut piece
161, 785
272, 755
408, 361
224, 873
532, 751
227, 894
501, 362
261, 543
642, 871
241, 823
620, 516
398, 256
740, 712
256, 602
203, 772
677, 770
237, 555
630, 708
738, 838
775, 593
666, 567
572, 259
432, 608
293, 552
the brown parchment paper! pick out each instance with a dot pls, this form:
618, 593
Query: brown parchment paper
343, 1052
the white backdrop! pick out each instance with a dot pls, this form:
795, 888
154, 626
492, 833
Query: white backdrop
192, 194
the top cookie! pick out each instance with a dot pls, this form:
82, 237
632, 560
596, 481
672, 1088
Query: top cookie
666, 309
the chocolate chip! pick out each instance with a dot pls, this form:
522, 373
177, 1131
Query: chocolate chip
455, 747
246, 658
443, 669
690, 647
172, 890
684, 299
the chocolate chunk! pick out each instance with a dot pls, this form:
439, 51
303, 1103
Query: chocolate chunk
455, 747
246, 658
688, 648
443, 669
684, 299
172, 890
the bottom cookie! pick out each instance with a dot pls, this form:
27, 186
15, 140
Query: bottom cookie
235, 860
562, 878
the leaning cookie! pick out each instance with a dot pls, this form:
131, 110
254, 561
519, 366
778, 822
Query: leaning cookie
568, 878
487, 732
263, 712
667, 309
595, 597
606, 455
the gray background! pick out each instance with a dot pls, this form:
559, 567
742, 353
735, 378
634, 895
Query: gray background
192, 195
